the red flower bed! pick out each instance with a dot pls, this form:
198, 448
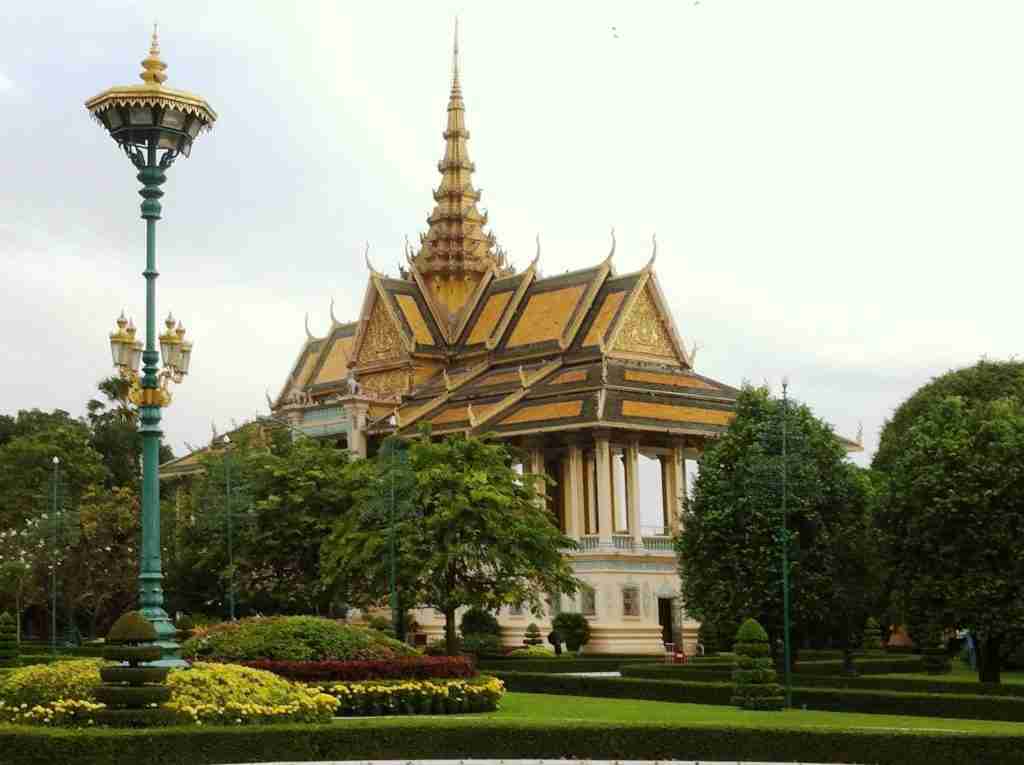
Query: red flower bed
402, 668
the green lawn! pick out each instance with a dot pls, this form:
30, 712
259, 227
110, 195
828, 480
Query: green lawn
962, 673
581, 708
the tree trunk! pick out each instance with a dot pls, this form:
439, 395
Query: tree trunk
989, 662
450, 641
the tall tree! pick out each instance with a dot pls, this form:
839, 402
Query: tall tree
114, 424
953, 516
477, 534
730, 542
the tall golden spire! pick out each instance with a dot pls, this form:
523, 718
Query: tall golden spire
455, 253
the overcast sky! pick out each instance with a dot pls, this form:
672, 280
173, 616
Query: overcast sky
835, 186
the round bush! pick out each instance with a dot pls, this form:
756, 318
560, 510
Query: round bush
292, 638
132, 627
476, 621
574, 629
133, 654
134, 675
134, 697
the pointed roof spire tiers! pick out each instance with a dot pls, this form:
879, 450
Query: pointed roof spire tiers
455, 253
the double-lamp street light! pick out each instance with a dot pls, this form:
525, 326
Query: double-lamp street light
153, 125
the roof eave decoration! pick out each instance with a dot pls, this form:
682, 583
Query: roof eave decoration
460, 320
152, 92
586, 302
441, 318
528, 276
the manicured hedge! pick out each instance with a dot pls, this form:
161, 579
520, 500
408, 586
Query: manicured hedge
404, 668
454, 738
924, 684
958, 706
882, 665
554, 665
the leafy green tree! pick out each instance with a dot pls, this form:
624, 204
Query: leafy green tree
730, 541
475, 534
476, 621
953, 516
573, 628
285, 497
26, 464
113, 420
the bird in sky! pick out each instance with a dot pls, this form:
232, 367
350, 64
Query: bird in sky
615, 33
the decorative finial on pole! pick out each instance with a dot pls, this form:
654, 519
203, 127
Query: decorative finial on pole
152, 67
455, 57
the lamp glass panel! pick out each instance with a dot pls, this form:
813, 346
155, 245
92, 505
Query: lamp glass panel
135, 356
115, 349
168, 140
184, 358
168, 350
114, 120
140, 115
173, 118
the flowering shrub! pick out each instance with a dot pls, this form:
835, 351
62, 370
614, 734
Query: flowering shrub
63, 712
291, 638
417, 696
532, 652
43, 684
405, 668
62, 694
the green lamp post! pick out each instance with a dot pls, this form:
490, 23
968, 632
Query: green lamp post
153, 124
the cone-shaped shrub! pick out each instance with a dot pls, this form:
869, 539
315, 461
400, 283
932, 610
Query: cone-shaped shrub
9, 653
755, 681
532, 636
133, 687
872, 640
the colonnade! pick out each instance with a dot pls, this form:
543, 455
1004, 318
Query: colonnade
588, 493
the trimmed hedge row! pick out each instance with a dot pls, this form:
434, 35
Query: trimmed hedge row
925, 684
452, 738
403, 668
883, 665
957, 706
555, 666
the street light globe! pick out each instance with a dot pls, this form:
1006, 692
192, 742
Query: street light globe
136, 114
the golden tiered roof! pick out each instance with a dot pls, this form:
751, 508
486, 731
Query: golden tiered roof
455, 254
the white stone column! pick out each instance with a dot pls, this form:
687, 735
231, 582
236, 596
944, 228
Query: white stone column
632, 465
678, 487
602, 459
357, 411
536, 466
590, 488
572, 491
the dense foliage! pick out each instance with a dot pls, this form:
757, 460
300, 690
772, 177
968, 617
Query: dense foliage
468, 530
400, 668
292, 638
477, 621
730, 543
9, 651
953, 515
412, 697
573, 628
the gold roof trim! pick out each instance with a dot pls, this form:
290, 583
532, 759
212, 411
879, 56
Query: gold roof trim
152, 92
585, 304
517, 297
462, 318
441, 318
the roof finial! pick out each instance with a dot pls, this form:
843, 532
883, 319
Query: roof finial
613, 245
654, 254
455, 57
152, 67
538, 246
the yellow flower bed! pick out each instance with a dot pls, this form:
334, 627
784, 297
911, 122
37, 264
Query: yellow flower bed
417, 696
62, 695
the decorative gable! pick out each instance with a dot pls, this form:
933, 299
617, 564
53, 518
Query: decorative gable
644, 330
382, 341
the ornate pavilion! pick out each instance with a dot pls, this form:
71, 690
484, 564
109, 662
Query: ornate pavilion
584, 371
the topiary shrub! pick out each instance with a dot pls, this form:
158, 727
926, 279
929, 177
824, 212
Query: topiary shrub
482, 645
9, 649
477, 621
872, 640
183, 628
532, 636
292, 638
532, 652
133, 687
755, 681
574, 629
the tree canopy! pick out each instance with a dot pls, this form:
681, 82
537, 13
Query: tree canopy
953, 514
730, 541
472, 532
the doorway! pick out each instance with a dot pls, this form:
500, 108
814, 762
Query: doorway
665, 618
